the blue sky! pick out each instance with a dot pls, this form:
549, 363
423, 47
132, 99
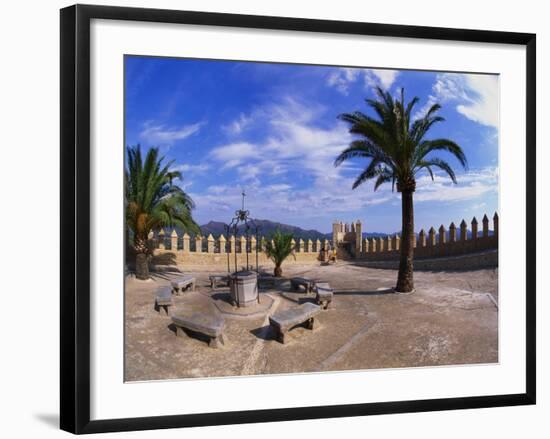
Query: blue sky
272, 129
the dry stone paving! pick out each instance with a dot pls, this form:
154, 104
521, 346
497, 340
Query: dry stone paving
448, 320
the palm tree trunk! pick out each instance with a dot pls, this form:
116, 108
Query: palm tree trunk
278, 272
142, 266
405, 282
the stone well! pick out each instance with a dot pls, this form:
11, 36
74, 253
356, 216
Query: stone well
244, 288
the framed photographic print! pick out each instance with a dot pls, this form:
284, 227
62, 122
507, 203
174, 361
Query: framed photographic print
268, 218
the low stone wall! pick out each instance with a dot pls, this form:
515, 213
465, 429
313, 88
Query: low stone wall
386, 249
444, 249
472, 261
219, 261
200, 253
435, 243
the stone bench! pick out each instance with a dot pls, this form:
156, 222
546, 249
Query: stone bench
283, 321
182, 283
323, 294
208, 324
163, 300
297, 282
215, 279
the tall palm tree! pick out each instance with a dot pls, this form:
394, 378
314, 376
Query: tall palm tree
153, 201
278, 248
397, 149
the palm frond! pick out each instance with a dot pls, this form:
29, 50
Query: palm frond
441, 164
279, 247
447, 145
152, 199
395, 146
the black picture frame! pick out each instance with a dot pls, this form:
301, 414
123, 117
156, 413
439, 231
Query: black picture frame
75, 217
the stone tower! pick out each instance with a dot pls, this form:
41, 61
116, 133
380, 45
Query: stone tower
337, 232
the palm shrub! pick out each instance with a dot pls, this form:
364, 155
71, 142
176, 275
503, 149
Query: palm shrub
397, 150
278, 248
152, 201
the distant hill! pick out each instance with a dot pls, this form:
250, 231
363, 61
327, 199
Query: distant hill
216, 228
267, 228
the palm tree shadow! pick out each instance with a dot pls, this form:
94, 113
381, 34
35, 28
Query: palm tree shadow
223, 296
166, 273
364, 293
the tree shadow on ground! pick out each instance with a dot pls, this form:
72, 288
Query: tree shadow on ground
364, 292
167, 273
224, 296
155, 275
431, 269
264, 333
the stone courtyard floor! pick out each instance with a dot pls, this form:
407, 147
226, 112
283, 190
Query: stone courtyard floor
451, 319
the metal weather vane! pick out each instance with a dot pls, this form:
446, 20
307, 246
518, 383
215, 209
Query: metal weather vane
242, 217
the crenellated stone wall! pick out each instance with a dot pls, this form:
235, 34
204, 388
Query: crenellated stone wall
435, 244
199, 251
443, 242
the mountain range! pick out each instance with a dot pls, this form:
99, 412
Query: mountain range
267, 228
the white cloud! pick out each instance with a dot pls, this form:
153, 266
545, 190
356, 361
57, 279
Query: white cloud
308, 186
380, 77
286, 108
476, 96
294, 147
332, 197
483, 106
187, 168
292, 142
249, 172
185, 185
342, 78
278, 187
478, 207
471, 185
238, 125
217, 189
233, 154
161, 134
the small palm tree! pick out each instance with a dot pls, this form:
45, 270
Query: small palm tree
153, 201
397, 150
278, 249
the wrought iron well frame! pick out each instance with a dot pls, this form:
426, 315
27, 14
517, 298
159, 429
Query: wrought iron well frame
242, 216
